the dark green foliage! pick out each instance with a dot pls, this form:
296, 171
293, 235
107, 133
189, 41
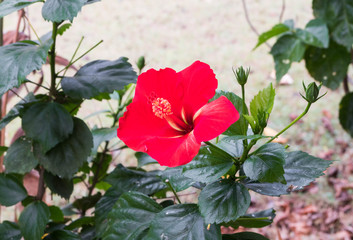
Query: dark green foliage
11, 190
97, 77
223, 201
346, 113
61, 186
10, 231
33, 220
167, 224
61, 10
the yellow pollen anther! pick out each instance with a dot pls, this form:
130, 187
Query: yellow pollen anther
161, 107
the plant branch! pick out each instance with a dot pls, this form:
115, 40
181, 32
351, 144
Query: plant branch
345, 84
245, 141
39, 85
292, 123
35, 33
250, 23
174, 192
41, 187
69, 65
74, 55
2, 135
282, 10
52, 90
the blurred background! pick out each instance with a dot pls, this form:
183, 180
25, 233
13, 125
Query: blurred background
177, 33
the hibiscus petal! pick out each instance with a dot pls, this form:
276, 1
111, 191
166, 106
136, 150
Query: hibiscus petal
160, 84
173, 152
214, 118
199, 86
139, 125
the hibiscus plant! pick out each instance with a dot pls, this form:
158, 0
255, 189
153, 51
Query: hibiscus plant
211, 141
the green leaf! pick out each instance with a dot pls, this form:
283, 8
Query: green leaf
176, 178
10, 6
63, 28
101, 76
286, 50
61, 186
275, 31
131, 216
255, 220
300, 170
17, 110
48, 123
10, 231
61, 10
346, 113
209, 165
68, 156
244, 236
20, 59
261, 105
144, 159
85, 203
11, 190
80, 222
33, 220
20, 158
223, 201
103, 207
315, 34
328, 66
62, 235
101, 135
240, 127
266, 164
3, 149
338, 14
182, 221
131, 180
56, 214
230, 145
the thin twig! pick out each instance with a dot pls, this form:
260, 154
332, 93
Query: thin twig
41, 187
282, 10
345, 85
249, 22
18, 95
29, 23
39, 85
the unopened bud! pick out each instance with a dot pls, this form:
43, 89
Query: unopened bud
241, 75
141, 63
312, 92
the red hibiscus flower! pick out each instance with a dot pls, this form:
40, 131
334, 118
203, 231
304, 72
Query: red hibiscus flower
170, 115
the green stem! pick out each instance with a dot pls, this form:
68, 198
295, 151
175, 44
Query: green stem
74, 55
247, 149
52, 61
174, 192
245, 142
30, 25
84, 54
292, 123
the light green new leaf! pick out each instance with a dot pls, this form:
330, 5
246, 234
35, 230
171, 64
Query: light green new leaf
261, 105
275, 31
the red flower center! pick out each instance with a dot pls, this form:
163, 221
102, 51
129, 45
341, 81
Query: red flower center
161, 107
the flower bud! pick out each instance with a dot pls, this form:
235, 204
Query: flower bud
141, 63
312, 92
242, 75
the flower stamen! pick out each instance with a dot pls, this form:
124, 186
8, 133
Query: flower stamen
161, 107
